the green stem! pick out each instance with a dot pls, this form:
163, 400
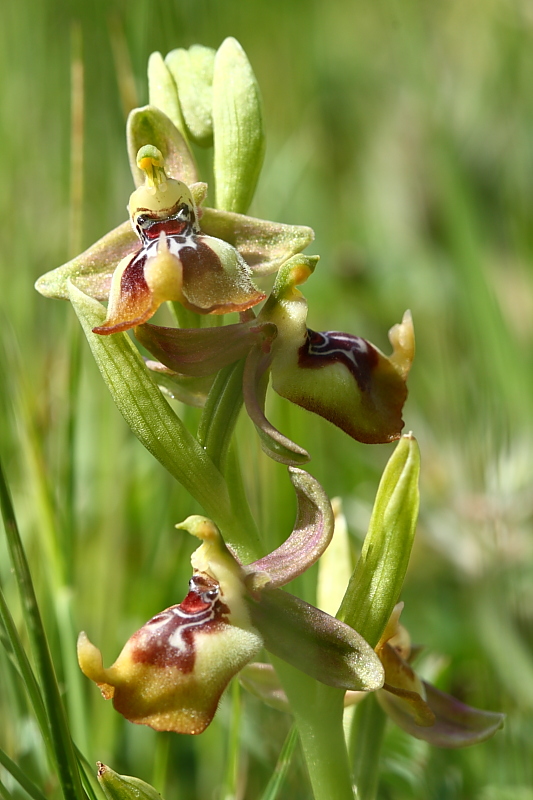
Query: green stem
184, 317
239, 500
221, 412
215, 433
366, 738
318, 712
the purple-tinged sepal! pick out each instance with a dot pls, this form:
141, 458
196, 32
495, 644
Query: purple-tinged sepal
310, 537
203, 351
263, 244
171, 673
418, 707
93, 269
261, 680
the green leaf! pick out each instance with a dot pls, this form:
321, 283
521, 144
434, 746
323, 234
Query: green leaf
192, 71
14, 646
124, 787
378, 577
238, 128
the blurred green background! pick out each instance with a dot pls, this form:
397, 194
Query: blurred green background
402, 132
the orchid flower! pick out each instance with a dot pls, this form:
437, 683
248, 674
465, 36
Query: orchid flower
341, 377
171, 673
172, 248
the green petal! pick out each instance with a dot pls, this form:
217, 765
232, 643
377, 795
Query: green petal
456, 724
124, 787
238, 128
264, 245
315, 643
311, 535
192, 71
379, 573
92, 270
148, 125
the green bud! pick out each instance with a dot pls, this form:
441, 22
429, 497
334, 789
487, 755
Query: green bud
162, 91
192, 70
124, 787
379, 573
238, 128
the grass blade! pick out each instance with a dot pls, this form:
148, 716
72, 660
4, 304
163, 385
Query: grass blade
62, 744
16, 650
20, 777
281, 770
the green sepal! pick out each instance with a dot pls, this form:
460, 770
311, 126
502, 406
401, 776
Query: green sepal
124, 787
148, 414
380, 570
192, 71
93, 269
239, 139
314, 642
149, 125
263, 244
162, 92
